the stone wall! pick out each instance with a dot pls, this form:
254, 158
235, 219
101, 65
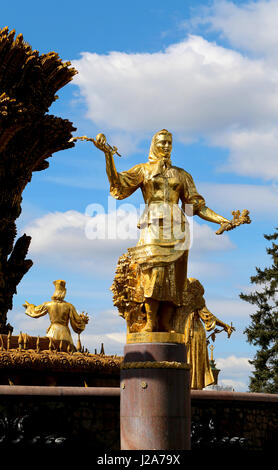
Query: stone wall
91, 416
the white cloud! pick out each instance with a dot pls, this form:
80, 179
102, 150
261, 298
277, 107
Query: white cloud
251, 25
118, 337
192, 87
205, 239
26, 324
229, 308
106, 322
111, 345
196, 89
233, 364
260, 200
235, 372
205, 269
252, 152
60, 238
108, 328
236, 385
63, 238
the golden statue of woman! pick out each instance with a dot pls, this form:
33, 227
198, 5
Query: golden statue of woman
150, 286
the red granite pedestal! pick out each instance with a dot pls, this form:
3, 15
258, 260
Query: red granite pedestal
155, 397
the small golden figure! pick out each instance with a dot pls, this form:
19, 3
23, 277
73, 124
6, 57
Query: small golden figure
211, 352
199, 320
61, 313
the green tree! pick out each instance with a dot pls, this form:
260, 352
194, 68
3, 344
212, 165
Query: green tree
263, 330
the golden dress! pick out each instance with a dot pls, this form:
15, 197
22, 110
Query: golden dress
162, 250
197, 323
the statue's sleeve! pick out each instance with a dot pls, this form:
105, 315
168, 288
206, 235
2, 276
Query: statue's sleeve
127, 182
77, 324
208, 318
190, 194
36, 311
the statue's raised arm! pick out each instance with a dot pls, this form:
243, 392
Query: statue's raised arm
225, 224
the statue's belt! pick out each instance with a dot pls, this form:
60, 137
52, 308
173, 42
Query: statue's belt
59, 322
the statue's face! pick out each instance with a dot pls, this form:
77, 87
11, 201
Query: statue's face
163, 144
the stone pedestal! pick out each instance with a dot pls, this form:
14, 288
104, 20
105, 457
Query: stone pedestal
155, 397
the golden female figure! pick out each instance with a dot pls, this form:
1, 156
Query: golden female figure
159, 261
199, 320
61, 313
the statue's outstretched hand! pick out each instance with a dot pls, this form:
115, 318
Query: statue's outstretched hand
84, 317
224, 227
229, 329
238, 219
100, 142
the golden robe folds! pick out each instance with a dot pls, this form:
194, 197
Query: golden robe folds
162, 250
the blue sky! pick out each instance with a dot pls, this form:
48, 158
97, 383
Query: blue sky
205, 70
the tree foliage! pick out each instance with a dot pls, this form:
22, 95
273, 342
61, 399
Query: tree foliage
29, 135
263, 330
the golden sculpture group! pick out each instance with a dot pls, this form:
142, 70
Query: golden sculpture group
151, 289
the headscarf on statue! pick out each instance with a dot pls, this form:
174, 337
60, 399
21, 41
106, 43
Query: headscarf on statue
159, 164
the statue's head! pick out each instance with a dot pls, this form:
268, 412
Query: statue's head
195, 293
161, 145
60, 290
194, 284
